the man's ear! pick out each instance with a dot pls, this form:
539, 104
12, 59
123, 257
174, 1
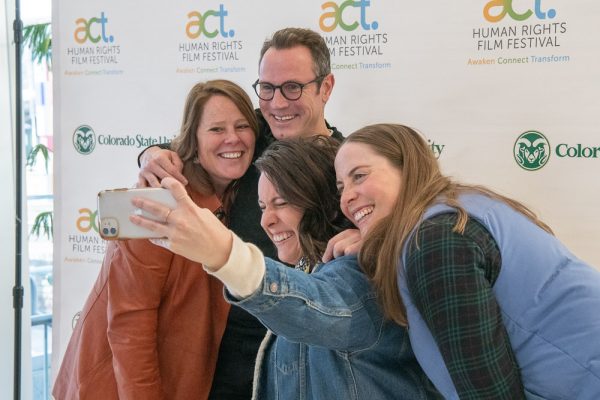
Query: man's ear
327, 87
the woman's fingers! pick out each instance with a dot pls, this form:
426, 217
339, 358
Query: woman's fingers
149, 224
159, 211
192, 232
177, 190
344, 243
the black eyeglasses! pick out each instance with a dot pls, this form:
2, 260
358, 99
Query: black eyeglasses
290, 90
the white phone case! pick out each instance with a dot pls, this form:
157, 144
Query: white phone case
114, 209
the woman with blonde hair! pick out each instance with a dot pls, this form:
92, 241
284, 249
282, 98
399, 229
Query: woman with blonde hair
497, 307
154, 323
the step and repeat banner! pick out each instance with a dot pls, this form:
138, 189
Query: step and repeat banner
506, 92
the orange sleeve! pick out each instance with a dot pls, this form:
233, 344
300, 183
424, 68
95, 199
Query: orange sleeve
137, 273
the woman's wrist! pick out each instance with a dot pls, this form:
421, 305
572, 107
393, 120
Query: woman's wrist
244, 270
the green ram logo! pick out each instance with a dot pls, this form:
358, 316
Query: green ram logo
532, 150
84, 140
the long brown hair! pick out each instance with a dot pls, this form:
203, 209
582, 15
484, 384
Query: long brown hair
302, 171
186, 143
422, 185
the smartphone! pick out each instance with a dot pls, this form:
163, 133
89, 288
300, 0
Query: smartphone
114, 209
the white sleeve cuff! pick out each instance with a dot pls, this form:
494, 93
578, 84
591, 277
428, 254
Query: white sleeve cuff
244, 271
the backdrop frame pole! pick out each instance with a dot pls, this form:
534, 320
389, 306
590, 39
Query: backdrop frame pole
18, 288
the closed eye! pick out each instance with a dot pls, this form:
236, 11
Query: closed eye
358, 176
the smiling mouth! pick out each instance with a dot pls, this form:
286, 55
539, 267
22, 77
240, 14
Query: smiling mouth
362, 213
232, 155
280, 237
283, 118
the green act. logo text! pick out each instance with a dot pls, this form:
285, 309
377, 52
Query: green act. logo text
506, 7
197, 24
531, 150
83, 32
84, 139
335, 15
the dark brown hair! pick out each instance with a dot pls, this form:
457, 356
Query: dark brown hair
291, 37
302, 171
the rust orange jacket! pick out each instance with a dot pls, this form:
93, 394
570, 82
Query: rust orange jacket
150, 328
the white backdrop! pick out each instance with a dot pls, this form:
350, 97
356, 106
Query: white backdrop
472, 76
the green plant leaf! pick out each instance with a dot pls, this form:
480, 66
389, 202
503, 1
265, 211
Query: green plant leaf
35, 151
43, 224
38, 38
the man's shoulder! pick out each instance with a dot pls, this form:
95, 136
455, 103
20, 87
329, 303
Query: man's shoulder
263, 127
334, 131
265, 136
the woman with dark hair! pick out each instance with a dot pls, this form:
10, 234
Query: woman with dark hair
305, 181
327, 336
153, 325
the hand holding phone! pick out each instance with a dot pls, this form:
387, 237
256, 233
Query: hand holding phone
114, 209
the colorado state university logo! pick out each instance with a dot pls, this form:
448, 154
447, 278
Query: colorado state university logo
532, 150
84, 139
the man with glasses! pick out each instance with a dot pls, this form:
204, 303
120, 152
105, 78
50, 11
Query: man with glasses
294, 84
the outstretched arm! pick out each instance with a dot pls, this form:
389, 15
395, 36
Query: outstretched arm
337, 299
334, 307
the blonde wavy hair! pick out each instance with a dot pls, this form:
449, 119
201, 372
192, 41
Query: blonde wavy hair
423, 184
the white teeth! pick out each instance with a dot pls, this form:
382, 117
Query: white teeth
279, 237
283, 117
363, 213
236, 154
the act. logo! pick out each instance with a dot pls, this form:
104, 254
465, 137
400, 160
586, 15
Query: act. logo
503, 7
337, 14
531, 150
197, 24
87, 221
84, 139
88, 29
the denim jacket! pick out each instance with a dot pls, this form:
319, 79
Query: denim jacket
330, 339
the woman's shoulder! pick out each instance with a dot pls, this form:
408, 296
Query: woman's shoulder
210, 201
344, 262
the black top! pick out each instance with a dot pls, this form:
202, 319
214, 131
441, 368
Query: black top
243, 333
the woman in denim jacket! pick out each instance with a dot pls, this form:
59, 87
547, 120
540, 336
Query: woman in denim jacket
328, 338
